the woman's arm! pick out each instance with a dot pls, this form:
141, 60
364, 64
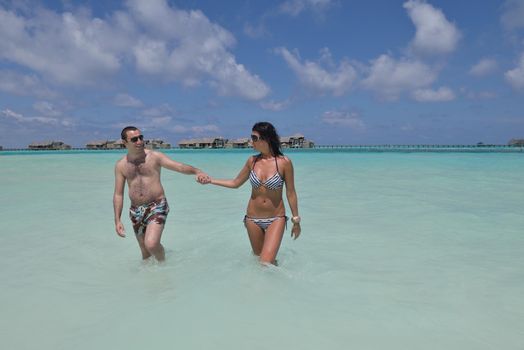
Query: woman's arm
291, 194
238, 181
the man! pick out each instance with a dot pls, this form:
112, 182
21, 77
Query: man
149, 207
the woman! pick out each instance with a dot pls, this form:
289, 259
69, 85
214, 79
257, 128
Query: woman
266, 218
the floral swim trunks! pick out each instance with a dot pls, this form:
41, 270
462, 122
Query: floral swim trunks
143, 214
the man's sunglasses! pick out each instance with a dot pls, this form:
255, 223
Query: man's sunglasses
255, 138
136, 138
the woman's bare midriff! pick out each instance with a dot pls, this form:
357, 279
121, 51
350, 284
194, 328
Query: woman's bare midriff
265, 203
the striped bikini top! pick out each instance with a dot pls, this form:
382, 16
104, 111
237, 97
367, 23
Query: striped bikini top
275, 182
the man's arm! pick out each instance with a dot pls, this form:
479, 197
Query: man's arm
171, 164
118, 200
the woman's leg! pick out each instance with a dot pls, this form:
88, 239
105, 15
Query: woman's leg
256, 236
272, 240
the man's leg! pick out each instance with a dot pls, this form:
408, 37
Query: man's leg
152, 240
141, 244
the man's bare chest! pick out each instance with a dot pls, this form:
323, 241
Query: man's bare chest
146, 169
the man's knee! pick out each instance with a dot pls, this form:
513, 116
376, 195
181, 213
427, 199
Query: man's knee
151, 244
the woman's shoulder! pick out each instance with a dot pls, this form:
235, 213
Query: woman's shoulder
251, 159
284, 159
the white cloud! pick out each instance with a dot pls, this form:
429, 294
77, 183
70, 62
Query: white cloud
160, 111
198, 129
407, 127
69, 48
205, 128
434, 33
484, 67
274, 106
47, 109
179, 129
175, 45
295, 7
428, 95
125, 100
516, 76
185, 46
513, 14
255, 31
480, 95
343, 119
13, 115
161, 121
9, 114
332, 79
25, 85
486, 95
390, 78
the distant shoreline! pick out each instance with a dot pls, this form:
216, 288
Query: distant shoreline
349, 148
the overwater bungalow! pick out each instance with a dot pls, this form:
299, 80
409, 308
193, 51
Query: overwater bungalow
97, 144
118, 144
238, 143
49, 145
516, 142
157, 144
189, 143
296, 141
207, 142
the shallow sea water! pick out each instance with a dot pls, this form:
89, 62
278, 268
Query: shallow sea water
398, 251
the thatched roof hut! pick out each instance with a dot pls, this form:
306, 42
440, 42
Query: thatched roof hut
516, 142
97, 144
157, 144
189, 143
308, 144
206, 142
238, 143
118, 144
296, 141
49, 145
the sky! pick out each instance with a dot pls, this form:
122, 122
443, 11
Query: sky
339, 72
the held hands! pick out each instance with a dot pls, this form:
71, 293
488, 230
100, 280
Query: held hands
203, 178
119, 228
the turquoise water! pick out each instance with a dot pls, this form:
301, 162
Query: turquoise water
398, 251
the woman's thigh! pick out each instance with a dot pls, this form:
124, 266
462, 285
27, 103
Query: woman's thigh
256, 236
272, 240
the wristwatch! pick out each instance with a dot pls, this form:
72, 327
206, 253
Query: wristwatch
295, 219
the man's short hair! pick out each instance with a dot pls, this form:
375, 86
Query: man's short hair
123, 134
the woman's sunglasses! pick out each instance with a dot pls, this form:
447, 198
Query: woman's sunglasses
255, 138
136, 138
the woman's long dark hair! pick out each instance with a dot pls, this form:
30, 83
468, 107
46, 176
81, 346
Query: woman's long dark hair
268, 132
